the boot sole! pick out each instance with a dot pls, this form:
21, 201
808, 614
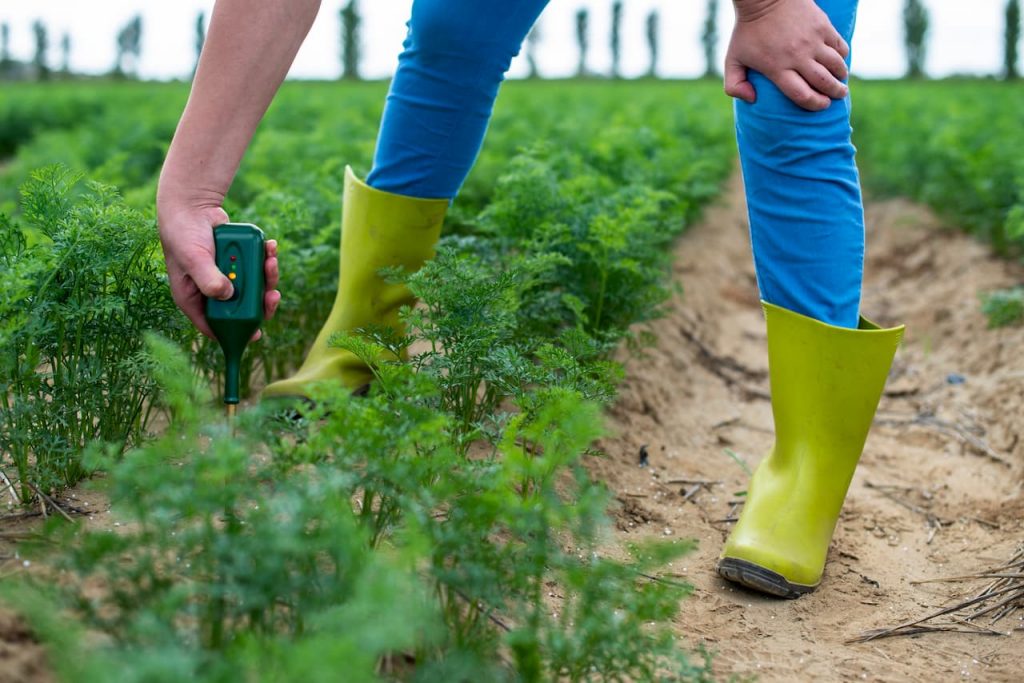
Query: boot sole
760, 579
292, 406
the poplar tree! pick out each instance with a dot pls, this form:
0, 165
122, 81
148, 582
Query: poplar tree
709, 39
652, 43
350, 44
5, 45
1012, 40
129, 45
532, 40
915, 33
616, 39
582, 19
65, 54
42, 45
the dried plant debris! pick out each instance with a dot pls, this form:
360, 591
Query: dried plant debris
965, 434
903, 496
997, 609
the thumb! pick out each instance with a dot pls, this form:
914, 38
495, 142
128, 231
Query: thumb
736, 83
210, 281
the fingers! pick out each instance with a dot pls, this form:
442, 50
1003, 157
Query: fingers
271, 297
793, 86
819, 78
839, 44
831, 60
187, 297
736, 83
192, 305
208, 278
270, 301
193, 310
270, 270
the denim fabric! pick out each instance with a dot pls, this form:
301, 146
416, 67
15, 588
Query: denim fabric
803, 197
455, 58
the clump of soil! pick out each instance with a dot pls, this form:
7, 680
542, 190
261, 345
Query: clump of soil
939, 488
21, 657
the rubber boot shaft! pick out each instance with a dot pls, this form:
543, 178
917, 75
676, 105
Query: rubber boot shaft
826, 382
379, 229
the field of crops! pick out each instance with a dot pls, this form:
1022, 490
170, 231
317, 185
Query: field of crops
448, 526
952, 145
243, 552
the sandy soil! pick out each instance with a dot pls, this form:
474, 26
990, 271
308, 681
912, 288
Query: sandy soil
21, 657
953, 450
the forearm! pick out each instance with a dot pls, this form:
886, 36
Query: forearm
250, 46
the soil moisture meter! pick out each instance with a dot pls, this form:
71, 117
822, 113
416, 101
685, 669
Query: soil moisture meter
240, 256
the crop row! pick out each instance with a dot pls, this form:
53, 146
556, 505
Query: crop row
954, 145
443, 527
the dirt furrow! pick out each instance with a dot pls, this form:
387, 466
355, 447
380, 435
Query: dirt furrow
939, 489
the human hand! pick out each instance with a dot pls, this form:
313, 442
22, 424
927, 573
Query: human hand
186, 233
791, 42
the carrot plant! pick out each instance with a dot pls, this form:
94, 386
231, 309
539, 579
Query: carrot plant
1003, 307
81, 285
953, 145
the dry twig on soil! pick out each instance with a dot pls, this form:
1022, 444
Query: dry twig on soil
10, 488
1000, 598
43, 498
953, 429
934, 521
728, 369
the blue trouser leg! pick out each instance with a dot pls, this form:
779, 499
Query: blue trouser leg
455, 58
803, 197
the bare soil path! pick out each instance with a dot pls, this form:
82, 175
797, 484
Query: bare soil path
939, 489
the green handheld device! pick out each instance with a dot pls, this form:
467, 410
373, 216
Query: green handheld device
240, 256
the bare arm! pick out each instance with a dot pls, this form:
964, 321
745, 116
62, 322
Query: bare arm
249, 49
791, 42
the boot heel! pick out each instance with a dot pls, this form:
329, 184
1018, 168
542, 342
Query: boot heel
760, 579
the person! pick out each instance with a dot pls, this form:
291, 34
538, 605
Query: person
786, 65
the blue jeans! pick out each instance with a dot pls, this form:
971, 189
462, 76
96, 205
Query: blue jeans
803, 191
455, 58
803, 197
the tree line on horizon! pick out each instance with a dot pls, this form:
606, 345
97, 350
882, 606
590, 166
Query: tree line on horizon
915, 18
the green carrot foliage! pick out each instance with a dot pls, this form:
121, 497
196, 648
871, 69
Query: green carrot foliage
81, 285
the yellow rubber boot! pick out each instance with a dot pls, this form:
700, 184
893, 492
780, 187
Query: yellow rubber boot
378, 229
826, 383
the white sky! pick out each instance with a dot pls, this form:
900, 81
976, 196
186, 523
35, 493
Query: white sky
969, 33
